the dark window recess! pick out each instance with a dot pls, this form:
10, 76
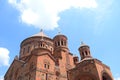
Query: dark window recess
48, 66
86, 53
58, 43
104, 78
83, 53
41, 44
44, 65
46, 76
61, 42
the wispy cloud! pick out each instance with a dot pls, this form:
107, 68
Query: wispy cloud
1, 78
102, 13
117, 78
4, 57
44, 13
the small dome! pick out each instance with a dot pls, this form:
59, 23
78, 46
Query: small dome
59, 35
41, 33
83, 45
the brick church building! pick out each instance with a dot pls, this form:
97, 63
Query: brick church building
44, 58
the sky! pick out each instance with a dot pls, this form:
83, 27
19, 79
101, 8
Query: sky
95, 22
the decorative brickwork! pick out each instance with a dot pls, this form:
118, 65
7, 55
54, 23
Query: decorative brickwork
43, 58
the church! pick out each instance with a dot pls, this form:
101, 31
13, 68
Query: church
45, 58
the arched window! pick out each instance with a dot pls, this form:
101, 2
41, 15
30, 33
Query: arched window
41, 44
105, 76
58, 43
82, 53
86, 53
46, 64
62, 42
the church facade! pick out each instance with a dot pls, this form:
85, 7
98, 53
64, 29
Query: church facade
43, 58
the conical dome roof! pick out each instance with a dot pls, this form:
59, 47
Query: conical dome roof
41, 33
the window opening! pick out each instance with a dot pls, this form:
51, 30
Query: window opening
86, 53
58, 43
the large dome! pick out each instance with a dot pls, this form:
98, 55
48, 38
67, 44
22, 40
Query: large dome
37, 41
41, 33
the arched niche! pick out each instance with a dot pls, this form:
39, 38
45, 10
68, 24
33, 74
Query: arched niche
105, 76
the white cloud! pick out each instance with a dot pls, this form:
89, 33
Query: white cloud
118, 78
1, 78
102, 13
4, 57
44, 13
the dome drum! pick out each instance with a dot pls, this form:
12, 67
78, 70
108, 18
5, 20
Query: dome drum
34, 42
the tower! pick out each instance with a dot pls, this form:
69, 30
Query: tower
60, 45
84, 51
89, 68
62, 55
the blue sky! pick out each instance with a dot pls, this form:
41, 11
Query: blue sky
96, 22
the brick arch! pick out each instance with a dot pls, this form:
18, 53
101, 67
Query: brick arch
86, 76
106, 76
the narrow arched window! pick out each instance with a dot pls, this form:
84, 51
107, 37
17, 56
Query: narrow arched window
82, 53
105, 76
41, 44
58, 43
62, 42
86, 53
46, 64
